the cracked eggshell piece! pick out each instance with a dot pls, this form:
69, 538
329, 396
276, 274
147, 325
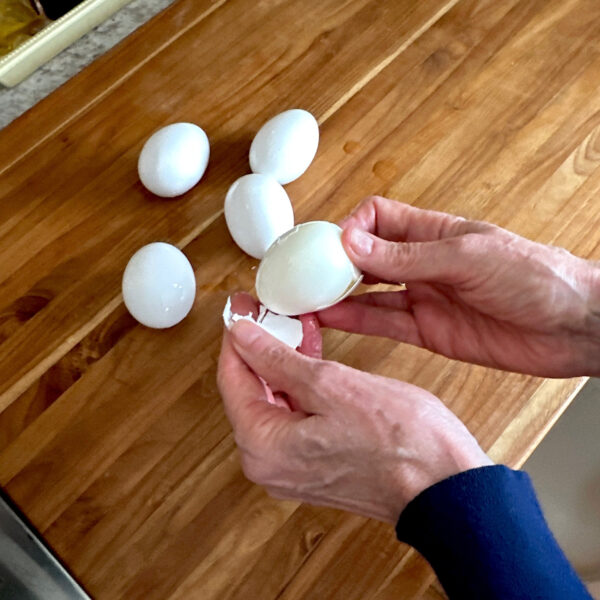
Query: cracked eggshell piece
285, 145
285, 329
174, 159
257, 211
305, 270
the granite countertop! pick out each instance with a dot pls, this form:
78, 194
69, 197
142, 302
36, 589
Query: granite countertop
15, 101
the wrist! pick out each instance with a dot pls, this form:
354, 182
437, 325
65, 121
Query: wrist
454, 453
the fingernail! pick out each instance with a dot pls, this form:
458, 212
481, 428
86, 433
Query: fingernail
245, 332
361, 242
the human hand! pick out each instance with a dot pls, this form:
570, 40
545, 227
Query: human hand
474, 291
336, 436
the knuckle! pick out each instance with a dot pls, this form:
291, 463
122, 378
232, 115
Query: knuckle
465, 244
277, 356
376, 200
373, 199
394, 251
323, 375
313, 445
403, 255
376, 205
454, 227
253, 469
476, 226
368, 207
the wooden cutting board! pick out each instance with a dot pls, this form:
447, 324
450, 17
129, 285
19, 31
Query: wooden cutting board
112, 436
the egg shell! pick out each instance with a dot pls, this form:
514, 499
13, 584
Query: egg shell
285, 145
286, 329
174, 159
159, 285
305, 270
257, 212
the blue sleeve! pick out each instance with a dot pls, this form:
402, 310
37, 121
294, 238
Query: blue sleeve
485, 536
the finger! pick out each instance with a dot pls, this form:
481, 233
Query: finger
369, 279
243, 303
244, 396
396, 221
367, 319
451, 260
312, 340
398, 299
283, 368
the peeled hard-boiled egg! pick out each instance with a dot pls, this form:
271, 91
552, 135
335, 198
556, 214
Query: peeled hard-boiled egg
285, 145
174, 159
159, 285
305, 270
257, 211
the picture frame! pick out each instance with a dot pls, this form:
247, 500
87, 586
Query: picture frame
55, 37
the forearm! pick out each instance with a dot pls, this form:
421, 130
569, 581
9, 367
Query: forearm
485, 536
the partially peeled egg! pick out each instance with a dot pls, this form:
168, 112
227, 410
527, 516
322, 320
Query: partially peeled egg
305, 270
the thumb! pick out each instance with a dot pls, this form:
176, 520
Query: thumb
442, 261
245, 398
284, 369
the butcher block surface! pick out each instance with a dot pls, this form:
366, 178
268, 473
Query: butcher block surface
113, 440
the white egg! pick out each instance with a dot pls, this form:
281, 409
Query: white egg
174, 159
257, 212
305, 270
159, 285
285, 145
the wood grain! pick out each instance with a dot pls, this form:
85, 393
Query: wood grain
112, 436
77, 270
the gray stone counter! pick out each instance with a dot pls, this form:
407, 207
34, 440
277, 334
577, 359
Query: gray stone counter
15, 101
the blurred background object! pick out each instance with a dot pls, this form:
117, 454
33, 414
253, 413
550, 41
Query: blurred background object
28, 569
565, 469
54, 9
19, 21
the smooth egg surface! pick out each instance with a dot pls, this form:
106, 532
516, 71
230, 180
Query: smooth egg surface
159, 285
305, 270
285, 145
174, 159
257, 212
